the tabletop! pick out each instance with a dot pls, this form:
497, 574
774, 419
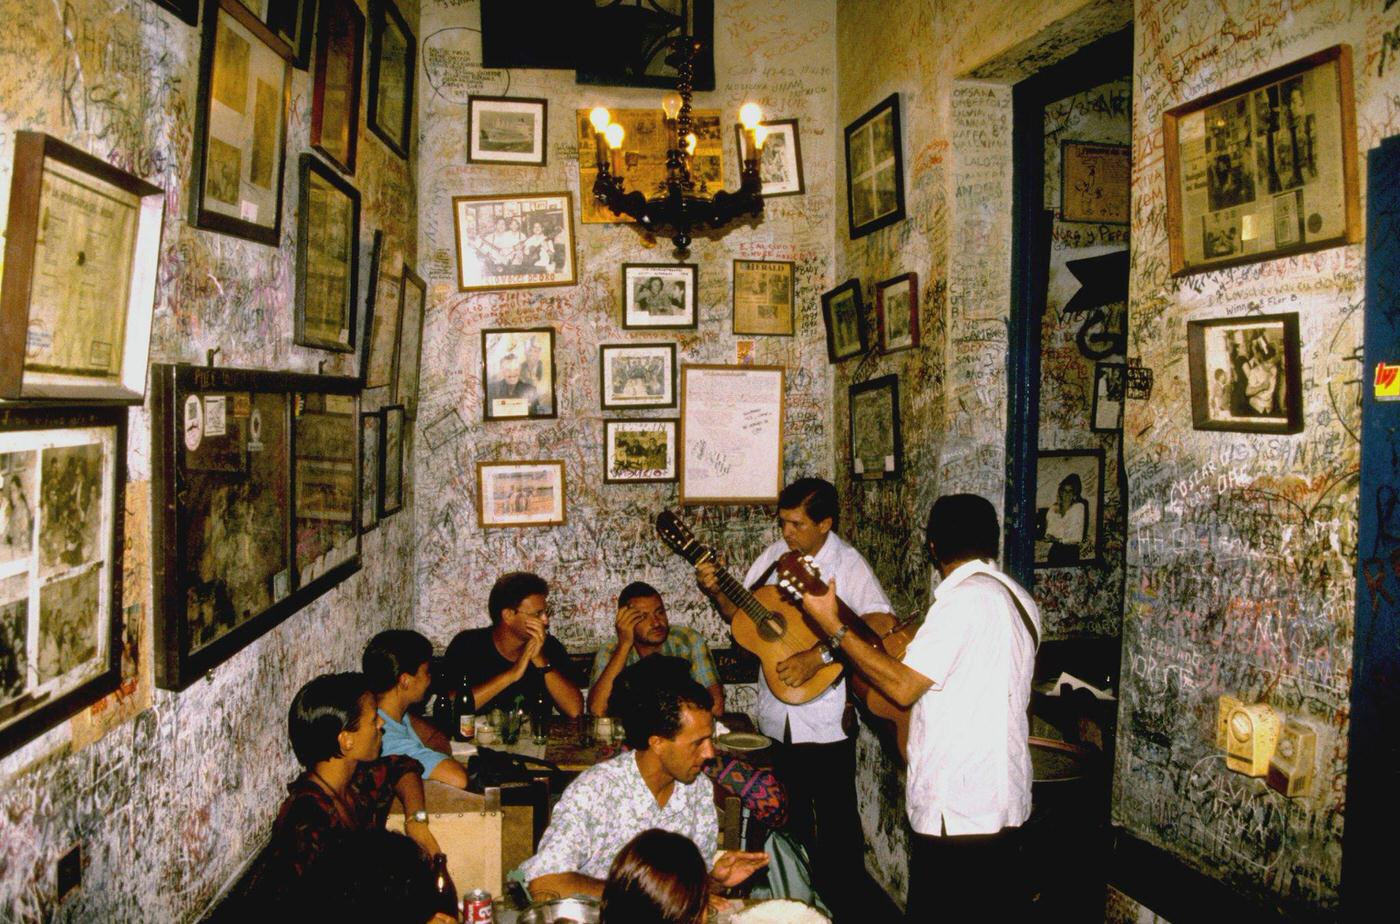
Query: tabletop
572, 747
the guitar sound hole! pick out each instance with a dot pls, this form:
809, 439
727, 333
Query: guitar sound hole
771, 629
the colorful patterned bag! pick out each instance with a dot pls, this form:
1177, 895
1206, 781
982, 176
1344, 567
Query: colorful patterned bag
757, 788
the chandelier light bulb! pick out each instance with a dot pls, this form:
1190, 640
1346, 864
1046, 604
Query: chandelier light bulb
671, 104
760, 134
750, 115
600, 118
690, 142
614, 133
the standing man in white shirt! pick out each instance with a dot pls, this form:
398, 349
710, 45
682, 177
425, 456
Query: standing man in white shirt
967, 674
816, 759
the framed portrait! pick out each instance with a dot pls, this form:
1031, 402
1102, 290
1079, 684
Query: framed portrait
731, 434
240, 126
874, 169
517, 366
391, 461
385, 279
897, 312
1068, 507
844, 313
637, 375
779, 159
637, 451
413, 302
393, 58
328, 255
520, 494
644, 153
1110, 390
62, 493
763, 298
82, 250
659, 296
1265, 167
507, 130
188, 10
1246, 375
335, 93
1095, 182
877, 452
514, 242
371, 474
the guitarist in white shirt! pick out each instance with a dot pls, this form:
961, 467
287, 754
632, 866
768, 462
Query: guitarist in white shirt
816, 759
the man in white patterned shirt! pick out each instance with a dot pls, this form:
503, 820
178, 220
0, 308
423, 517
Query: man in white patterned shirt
657, 785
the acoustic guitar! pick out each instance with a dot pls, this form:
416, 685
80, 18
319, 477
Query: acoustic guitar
765, 624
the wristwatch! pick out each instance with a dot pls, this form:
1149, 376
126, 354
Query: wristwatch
827, 656
421, 816
547, 668
834, 643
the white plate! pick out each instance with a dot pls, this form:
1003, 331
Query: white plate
743, 741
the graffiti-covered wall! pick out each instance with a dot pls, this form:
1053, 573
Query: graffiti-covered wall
169, 795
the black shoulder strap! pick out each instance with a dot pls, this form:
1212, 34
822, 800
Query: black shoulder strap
1020, 607
763, 578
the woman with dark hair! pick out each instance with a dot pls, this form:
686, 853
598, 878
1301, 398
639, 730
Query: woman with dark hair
659, 877
1067, 522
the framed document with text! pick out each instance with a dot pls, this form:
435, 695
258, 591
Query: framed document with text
81, 253
328, 254
731, 434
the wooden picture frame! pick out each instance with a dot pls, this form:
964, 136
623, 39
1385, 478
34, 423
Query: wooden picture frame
393, 62
897, 312
1246, 374
382, 333
240, 126
1096, 182
82, 251
517, 370
371, 469
780, 158
408, 364
507, 130
636, 375
328, 259
335, 92
514, 241
764, 299
660, 296
1069, 504
875, 169
520, 494
1110, 393
732, 420
1265, 167
876, 446
61, 621
391, 458
641, 451
843, 311
187, 10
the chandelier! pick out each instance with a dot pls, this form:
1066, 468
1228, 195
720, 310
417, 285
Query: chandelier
677, 206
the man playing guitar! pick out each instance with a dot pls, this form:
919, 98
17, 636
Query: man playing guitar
816, 758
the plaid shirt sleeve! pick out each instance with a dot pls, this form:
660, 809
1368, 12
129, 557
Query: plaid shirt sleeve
702, 663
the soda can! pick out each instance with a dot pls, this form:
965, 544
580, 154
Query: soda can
476, 907
466, 726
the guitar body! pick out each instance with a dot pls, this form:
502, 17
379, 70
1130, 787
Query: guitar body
877, 703
776, 640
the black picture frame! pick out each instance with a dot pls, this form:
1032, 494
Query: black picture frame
789, 159
1237, 384
627, 44
385, 17
503, 345
187, 10
843, 312
634, 471
294, 22
371, 469
413, 304
618, 399
637, 313
1110, 395
874, 158
874, 434
1057, 470
391, 455
335, 129
311, 233
478, 150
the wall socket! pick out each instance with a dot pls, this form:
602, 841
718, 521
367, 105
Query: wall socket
70, 871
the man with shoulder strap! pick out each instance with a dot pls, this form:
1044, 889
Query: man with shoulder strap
967, 675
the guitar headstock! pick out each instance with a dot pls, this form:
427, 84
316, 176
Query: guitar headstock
679, 537
799, 574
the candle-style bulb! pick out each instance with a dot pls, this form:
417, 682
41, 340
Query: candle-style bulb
671, 104
750, 115
600, 118
690, 142
614, 133
760, 134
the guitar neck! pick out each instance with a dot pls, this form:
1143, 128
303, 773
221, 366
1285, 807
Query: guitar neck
740, 596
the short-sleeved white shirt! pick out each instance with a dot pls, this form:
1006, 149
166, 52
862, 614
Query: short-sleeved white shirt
969, 757
819, 719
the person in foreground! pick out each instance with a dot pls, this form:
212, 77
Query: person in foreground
658, 878
378, 876
397, 665
667, 718
967, 675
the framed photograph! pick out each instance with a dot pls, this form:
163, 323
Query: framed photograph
188, 10
637, 451
385, 278
81, 254
393, 58
874, 169
514, 242
413, 302
292, 21
1265, 167
520, 494
1095, 182
240, 126
844, 313
897, 312
1246, 376
328, 255
659, 296
335, 94
391, 461
763, 298
780, 157
644, 155
732, 434
507, 130
877, 451
371, 472
326, 487
1110, 389
637, 375
1068, 507
517, 365
62, 484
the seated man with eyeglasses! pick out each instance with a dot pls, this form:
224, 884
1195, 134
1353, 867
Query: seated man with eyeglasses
514, 656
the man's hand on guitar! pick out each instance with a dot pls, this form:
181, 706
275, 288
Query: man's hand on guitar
707, 576
798, 669
824, 607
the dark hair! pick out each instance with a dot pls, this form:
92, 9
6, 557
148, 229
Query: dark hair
372, 875
658, 878
512, 588
649, 696
816, 496
1073, 481
963, 526
636, 590
326, 706
392, 653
